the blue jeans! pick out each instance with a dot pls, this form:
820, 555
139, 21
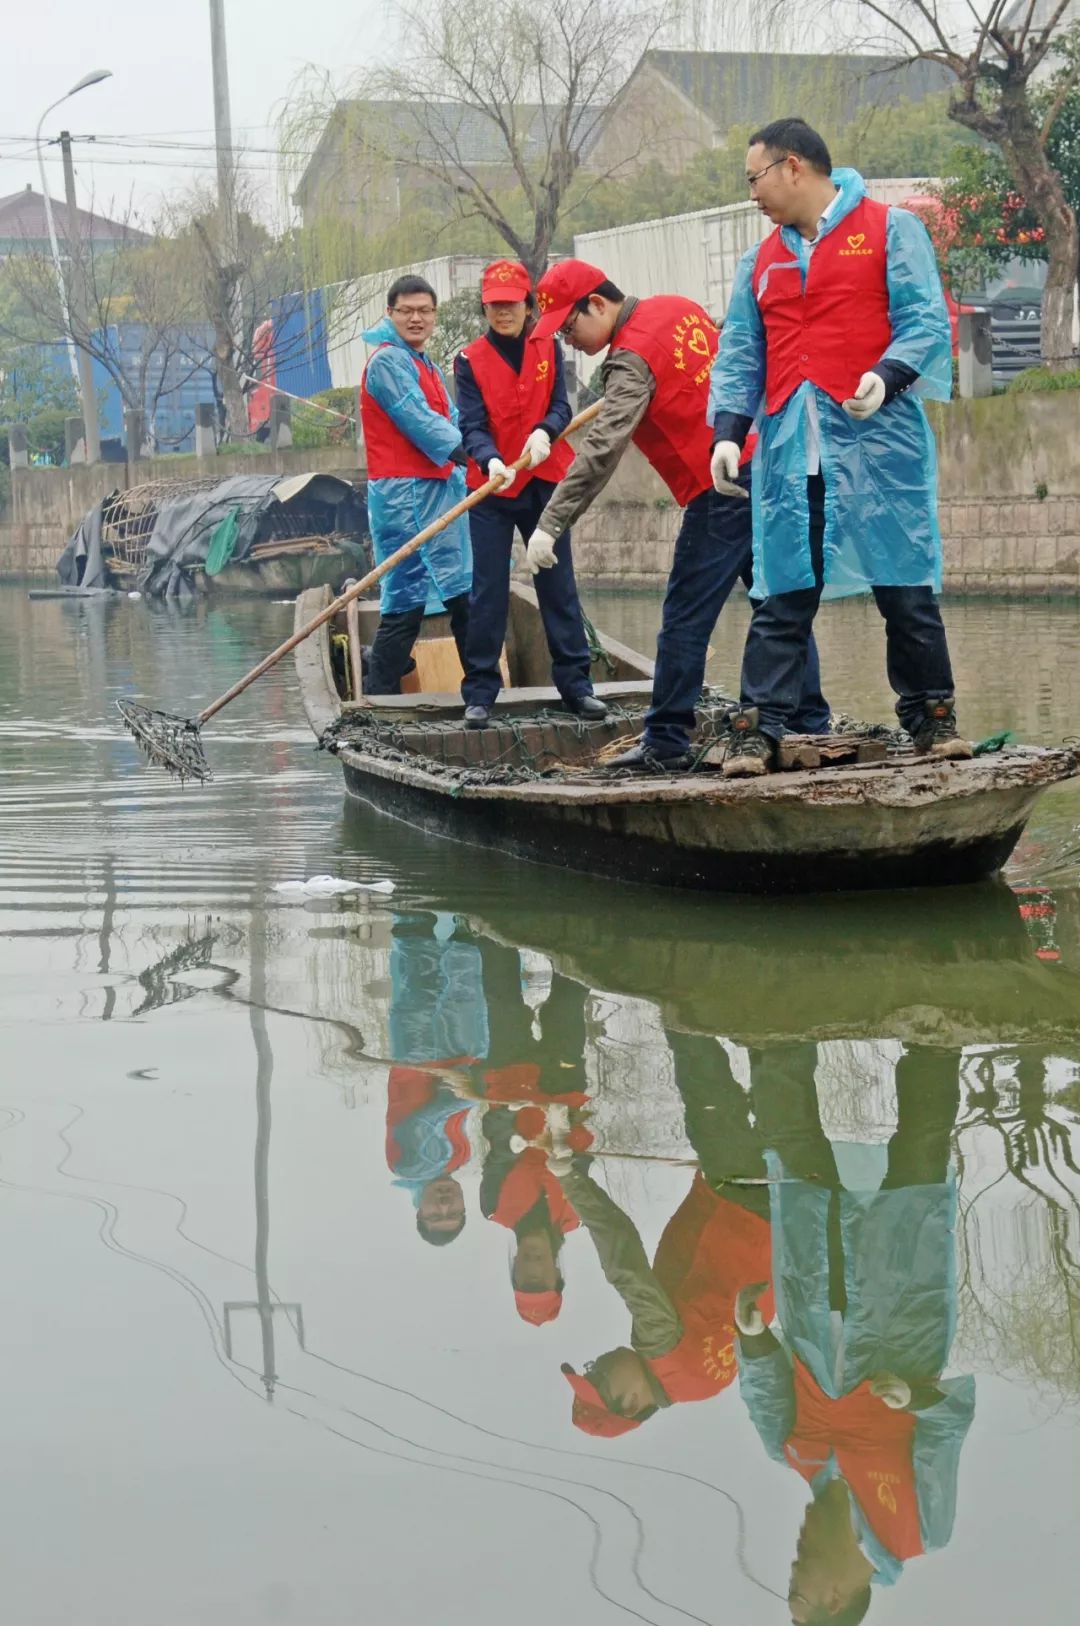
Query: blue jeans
491, 526
713, 550
776, 660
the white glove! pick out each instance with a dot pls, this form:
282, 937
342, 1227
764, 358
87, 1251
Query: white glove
540, 553
893, 1391
537, 447
497, 469
748, 1318
867, 398
725, 469
560, 1161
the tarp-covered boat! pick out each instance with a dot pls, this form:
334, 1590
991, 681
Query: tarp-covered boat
247, 533
534, 783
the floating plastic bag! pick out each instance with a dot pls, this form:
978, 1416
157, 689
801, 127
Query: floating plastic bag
329, 886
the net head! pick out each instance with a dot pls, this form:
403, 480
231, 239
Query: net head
167, 741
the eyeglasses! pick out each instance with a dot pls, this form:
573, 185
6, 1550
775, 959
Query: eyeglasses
752, 180
570, 324
413, 310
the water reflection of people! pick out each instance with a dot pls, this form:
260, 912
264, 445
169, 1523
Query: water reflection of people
492, 1080
682, 1332
848, 1390
534, 1077
519, 1190
438, 1023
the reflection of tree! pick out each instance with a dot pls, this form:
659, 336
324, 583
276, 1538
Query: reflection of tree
158, 980
1019, 1302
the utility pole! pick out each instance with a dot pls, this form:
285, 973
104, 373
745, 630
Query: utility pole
265, 1304
226, 271
78, 304
226, 172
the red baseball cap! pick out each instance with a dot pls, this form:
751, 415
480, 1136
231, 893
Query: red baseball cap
504, 281
538, 1307
589, 1413
559, 290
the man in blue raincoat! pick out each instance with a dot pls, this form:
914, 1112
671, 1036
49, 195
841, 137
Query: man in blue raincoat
438, 1024
415, 473
837, 324
848, 1390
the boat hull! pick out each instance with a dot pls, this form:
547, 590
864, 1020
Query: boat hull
533, 786
287, 576
706, 845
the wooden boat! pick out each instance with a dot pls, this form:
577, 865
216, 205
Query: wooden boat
533, 784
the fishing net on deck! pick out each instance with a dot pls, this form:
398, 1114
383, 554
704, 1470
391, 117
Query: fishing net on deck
549, 745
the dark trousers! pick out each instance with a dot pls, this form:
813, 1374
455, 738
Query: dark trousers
786, 1110
391, 651
719, 1124
492, 525
776, 659
713, 550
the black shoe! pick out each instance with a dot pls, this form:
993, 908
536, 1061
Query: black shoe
751, 753
477, 716
587, 706
646, 760
936, 735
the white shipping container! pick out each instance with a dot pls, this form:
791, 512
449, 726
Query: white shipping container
697, 254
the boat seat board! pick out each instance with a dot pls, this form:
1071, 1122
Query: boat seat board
509, 700
438, 667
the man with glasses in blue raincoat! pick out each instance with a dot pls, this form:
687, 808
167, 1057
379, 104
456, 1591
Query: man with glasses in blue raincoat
837, 324
415, 473
847, 1387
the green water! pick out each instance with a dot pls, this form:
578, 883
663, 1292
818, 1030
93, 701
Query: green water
242, 1387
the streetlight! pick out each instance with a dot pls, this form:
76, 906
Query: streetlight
84, 382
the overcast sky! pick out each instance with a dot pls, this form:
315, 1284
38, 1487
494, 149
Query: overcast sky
159, 53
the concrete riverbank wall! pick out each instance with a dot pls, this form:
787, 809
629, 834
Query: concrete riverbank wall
1009, 502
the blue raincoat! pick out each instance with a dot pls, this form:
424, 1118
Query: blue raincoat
880, 475
900, 1282
437, 1004
399, 508
437, 1013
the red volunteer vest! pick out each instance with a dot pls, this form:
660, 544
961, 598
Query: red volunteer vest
516, 403
837, 327
390, 454
520, 1081
709, 1250
528, 1181
873, 1448
408, 1090
678, 341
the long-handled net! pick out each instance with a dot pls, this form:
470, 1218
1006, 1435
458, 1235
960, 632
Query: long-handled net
175, 743
167, 741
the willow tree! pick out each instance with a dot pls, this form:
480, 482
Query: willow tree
488, 118
995, 53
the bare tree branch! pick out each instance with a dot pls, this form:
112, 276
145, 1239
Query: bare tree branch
497, 104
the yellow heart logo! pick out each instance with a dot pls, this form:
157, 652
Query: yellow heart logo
698, 343
858, 240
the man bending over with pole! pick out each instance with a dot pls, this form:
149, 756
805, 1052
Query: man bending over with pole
656, 382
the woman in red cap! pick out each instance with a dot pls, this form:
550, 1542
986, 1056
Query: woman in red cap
511, 401
520, 1192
